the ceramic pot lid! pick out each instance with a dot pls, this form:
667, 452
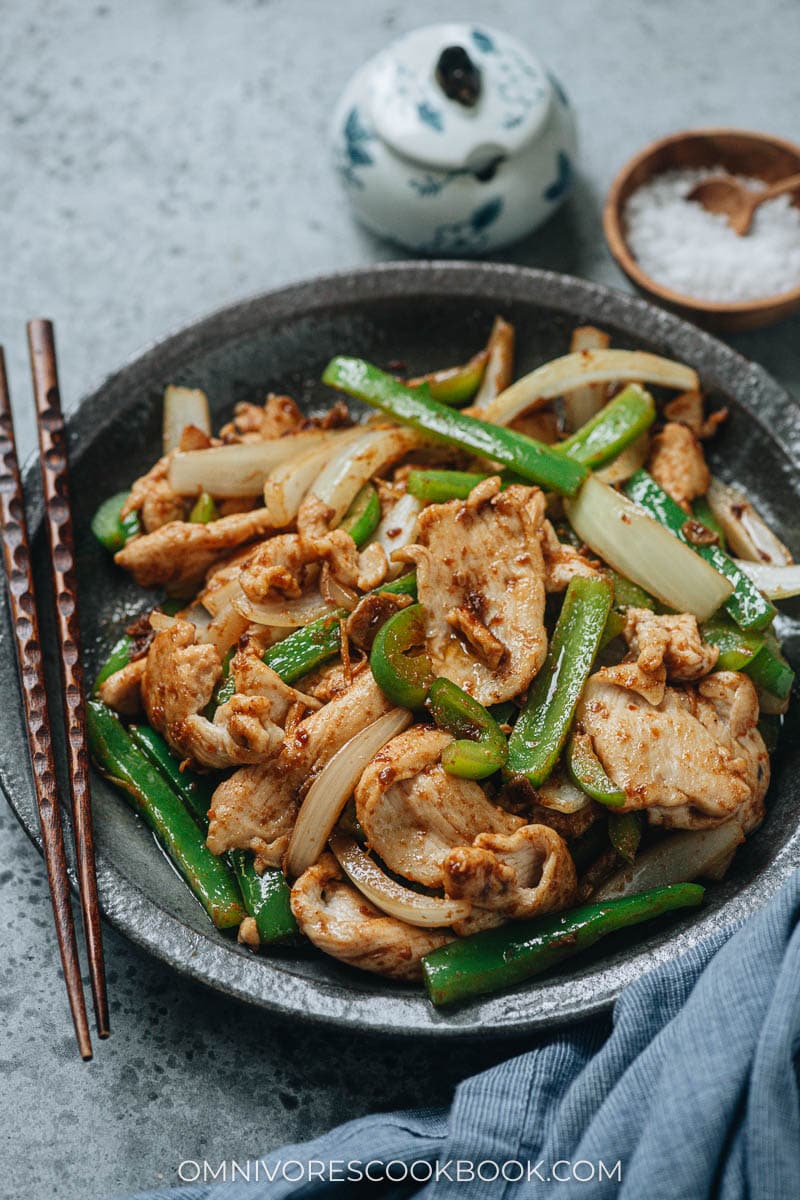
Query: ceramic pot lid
457, 95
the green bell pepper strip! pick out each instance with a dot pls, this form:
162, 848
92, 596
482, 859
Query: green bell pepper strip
112, 530
705, 515
441, 486
542, 727
612, 429
402, 675
614, 627
625, 833
534, 461
152, 797
748, 607
480, 748
454, 386
267, 896
119, 657
500, 958
757, 654
588, 773
628, 594
203, 510
364, 514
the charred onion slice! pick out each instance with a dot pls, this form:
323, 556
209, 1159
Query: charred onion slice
334, 786
183, 406
415, 908
747, 533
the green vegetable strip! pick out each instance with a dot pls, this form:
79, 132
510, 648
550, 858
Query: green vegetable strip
112, 530
154, 799
746, 604
613, 428
480, 747
441, 486
532, 460
625, 833
204, 510
364, 514
306, 648
705, 515
119, 657
501, 958
454, 385
769, 670
542, 727
588, 773
402, 671
267, 896
628, 594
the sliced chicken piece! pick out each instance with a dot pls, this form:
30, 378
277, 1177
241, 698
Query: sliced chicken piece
341, 922
278, 564
692, 759
671, 643
480, 576
177, 685
413, 813
510, 876
255, 809
677, 463
257, 423
179, 554
153, 498
122, 691
688, 409
363, 569
562, 561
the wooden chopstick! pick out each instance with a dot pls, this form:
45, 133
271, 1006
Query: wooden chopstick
58, 518
22, 601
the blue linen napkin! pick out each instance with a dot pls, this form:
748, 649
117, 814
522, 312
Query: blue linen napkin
694, 1094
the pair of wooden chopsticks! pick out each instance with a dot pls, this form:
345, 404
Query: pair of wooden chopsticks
22, 600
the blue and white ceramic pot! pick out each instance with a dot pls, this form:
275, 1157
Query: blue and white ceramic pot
454, 140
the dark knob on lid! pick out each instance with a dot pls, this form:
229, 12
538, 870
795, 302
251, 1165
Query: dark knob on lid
458, 76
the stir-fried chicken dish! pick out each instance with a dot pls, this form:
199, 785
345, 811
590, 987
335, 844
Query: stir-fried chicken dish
430, 684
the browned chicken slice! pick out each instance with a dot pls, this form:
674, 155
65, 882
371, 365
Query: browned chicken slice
362, 569
670, 645
278, 564
509, 876
179, 554
256, 808
153, 498
688, 409
122, 691
691, 760
562, 561
341, 922
261, 423
677, 463
413, 813
178, 683
480, 577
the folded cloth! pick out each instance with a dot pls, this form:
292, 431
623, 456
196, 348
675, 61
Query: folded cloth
693, 1094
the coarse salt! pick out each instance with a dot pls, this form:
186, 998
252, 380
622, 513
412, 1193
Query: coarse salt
681, 245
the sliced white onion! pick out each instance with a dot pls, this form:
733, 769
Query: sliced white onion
183, 406
397, 528
560, 794
777, 583
748, 534
349, 470
240, 469
429, 912
160, 622
634, 544
224, 630
499, 369
627, 461
581, 404
289, 483
217, 598
334, 786
679, 858
563, 375
282, 612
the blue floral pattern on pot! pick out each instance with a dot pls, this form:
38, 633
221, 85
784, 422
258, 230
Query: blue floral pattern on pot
444, 177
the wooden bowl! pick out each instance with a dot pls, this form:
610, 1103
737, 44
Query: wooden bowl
735, 150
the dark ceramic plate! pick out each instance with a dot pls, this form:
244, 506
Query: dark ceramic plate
426, 316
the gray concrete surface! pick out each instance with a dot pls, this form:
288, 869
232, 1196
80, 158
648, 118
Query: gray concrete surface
159, 160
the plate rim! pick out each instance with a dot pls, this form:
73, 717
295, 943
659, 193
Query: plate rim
408, 1013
